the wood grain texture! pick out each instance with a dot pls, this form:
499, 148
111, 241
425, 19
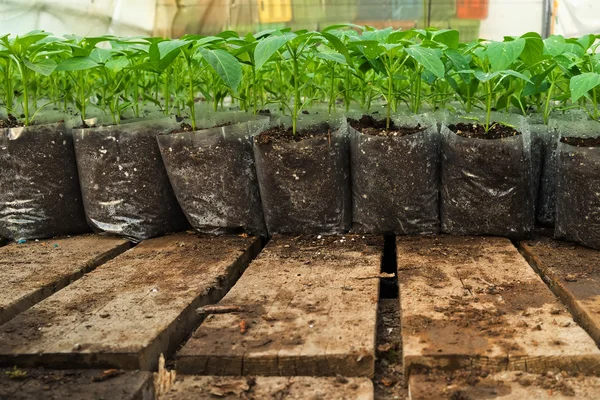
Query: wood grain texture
309, 308
127, 312
469, 301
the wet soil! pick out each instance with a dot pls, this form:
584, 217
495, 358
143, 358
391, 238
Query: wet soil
477, 131
10, 122
581, 142
283, 134
368, 125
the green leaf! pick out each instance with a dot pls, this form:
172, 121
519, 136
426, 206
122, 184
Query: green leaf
339, 46
487, 76
225, 65
428, 58
534, 48
117, 64
101, 56
554, 45
335, 57
581, 84
45, 66
449, 37
269, 46
77, 64
502, 54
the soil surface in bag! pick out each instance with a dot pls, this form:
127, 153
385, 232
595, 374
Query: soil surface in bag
214, 178
40, 195
578, 191
126, 191
304, 179
395, 178
486, 182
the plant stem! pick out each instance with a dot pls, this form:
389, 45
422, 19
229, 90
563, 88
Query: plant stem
82, 95
191, 95
166, 94
25, 94
488, 114
296, 94
254, 89
332, 93
547, 106
389, 101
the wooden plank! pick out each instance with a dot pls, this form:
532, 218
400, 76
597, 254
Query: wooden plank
573, 274
309, 307
208, 387
17, 384
506, 385
474, 301
32, 271
127, 312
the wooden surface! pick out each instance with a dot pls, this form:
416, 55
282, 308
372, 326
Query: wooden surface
309, 308
507, 385
128, 311
573, 274
32, 271
476, 302
75, 384
283, 388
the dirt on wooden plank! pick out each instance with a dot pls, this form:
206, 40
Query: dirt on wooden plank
131, 309
475, 301
308, 308
31, 271
27, 384
573, 274
517, 385
280, 388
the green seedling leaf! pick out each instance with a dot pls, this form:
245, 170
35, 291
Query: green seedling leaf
554, 45
502, 54
335, 57
339, 46
534, 48
225, 65
77, 64
269, 46
45, 66
580, 85
117, 64
428, 58
448, 37
101, 56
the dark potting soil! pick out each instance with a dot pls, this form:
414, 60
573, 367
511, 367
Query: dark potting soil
371, 126
283, 134
304, 179
40, 194
384, 198
477, 131
581, 142
10, 122
185, 127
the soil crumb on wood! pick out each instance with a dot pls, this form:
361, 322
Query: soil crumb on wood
282, 134
10, 122
477, 131
581, 142
389, 377
371, 126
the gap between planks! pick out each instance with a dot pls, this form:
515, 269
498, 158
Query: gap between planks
127, 312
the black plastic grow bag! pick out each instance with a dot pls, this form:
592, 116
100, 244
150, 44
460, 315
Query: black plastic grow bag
39, 187
126, 190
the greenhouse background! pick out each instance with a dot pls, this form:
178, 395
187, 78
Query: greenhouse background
490, 19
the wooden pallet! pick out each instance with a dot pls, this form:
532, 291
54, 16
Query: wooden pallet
302, 387
469, 301
127, 312
32, 271
573, 274
27, 384
308, 306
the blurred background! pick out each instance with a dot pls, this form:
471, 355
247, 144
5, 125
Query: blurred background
490, 19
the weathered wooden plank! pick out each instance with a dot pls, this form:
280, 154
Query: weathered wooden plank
469, 301
208, 387
309, 307
27, 384
506, 385
32, 271
128, 311
573, 274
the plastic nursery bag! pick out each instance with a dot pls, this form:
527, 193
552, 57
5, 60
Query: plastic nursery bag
213, 174
395, 180
578, 185
305, 184
488, 185
40, 194
126, 191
